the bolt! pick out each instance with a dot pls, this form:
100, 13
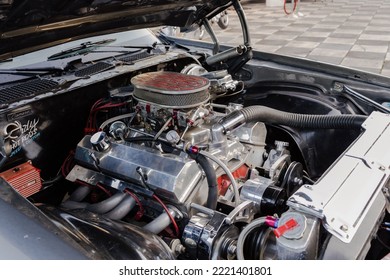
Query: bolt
180, 249
177, 247
338, 87
232, 249
297, 181
344, 228
382, 168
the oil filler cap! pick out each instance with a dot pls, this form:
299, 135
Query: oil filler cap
100, 141
292, 225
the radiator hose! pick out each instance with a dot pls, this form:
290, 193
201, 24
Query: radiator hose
272, 116
211, 177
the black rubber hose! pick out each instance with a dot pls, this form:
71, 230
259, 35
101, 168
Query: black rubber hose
211, 177
273, 116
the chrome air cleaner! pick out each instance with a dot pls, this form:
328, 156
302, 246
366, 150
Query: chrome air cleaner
171, 89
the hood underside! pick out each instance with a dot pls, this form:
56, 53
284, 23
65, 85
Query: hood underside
28, 25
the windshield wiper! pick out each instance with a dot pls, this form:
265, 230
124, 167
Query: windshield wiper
89, 47
82, 49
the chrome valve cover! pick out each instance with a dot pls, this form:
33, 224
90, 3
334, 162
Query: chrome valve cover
173, 177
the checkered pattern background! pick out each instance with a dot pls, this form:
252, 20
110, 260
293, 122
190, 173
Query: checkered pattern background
352, 33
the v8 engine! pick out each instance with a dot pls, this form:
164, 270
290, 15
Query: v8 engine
199, 178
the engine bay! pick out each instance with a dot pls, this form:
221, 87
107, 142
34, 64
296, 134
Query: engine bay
169, 160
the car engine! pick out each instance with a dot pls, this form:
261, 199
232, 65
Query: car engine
119, 142
197, 180
174, 147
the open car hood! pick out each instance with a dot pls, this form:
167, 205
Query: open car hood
30, 25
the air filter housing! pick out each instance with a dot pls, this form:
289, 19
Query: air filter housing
171, 89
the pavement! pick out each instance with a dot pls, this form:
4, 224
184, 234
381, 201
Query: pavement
352, 33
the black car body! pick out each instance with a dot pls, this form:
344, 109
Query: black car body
117, 143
